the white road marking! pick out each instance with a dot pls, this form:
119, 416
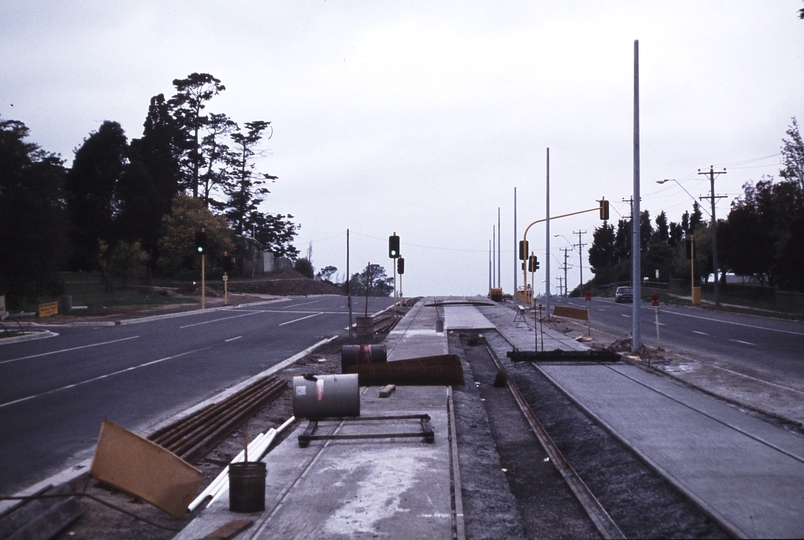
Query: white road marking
626, 316
743, 342
67, 350
763, 381
736, 323
302, 318
232, 339
100, 377
219, 320
700, 333
304, 304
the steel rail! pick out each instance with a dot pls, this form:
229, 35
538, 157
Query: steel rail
207, 444
194, 436
191, 438
599, 516
168, 434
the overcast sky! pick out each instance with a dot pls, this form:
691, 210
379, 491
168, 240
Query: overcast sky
421, 117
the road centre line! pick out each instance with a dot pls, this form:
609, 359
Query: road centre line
219, 320
735, 323
743, 342
700, 333
67, 350
232, 339
302, 318
303, 304
100, 377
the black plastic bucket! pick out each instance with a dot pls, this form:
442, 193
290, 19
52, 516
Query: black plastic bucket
247, 486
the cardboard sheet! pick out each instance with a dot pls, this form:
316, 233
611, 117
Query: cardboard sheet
142, 468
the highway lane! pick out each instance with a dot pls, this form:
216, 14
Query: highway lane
759, 345
55, 392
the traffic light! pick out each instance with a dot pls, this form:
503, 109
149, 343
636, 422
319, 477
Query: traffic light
604, 209
400, 266
227, 262
393, 246
201, 241
523, 250
533, 263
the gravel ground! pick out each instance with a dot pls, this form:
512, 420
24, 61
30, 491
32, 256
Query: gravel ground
510, 488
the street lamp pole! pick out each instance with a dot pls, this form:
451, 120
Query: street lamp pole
685, 191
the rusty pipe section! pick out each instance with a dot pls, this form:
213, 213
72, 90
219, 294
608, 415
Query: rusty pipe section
194, 436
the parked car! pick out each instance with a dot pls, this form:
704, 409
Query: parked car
624, 294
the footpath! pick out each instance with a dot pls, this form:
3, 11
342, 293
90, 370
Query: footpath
744, 472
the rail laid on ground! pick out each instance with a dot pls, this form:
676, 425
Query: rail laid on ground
601, 519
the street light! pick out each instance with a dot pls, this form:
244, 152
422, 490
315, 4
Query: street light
567, 239
685, 191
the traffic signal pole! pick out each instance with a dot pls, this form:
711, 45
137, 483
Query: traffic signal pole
525, 234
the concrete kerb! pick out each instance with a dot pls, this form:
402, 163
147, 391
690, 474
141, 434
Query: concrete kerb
34, 335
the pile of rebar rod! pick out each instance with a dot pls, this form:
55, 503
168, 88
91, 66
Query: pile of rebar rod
192, 437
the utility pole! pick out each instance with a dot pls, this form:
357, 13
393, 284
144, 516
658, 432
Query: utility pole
493, 255
516, 250
713, 199
560, 284
490, 266
636, 269
547, 242
499, 251
565, 267
580, 245
348, 279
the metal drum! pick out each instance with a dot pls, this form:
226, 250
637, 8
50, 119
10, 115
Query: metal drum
321, 396
361, 354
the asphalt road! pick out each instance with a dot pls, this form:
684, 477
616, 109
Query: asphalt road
755, 344
54, 393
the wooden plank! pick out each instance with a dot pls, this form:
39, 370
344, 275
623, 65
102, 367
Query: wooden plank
230, 530
571, 312
49, 308
142, 468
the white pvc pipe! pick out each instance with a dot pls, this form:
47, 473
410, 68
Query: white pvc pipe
214, 485
257, 447
256, 450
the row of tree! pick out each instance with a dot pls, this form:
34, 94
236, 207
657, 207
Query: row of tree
762, 237
125, 205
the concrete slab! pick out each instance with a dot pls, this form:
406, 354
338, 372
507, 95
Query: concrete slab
741, 468
465, 317
415, 335
520, 333
390, 487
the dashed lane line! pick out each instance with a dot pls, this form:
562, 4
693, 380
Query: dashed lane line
66, 350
